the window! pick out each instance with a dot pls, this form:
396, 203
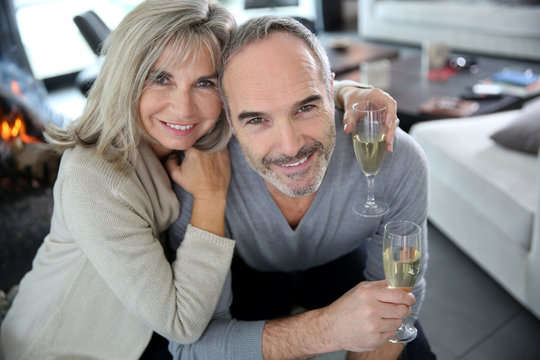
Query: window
52, 41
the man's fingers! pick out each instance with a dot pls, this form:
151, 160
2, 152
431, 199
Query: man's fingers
396, 296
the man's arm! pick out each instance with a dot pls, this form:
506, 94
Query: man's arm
361, 320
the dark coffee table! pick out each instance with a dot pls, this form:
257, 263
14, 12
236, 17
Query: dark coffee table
349, 58
411, 88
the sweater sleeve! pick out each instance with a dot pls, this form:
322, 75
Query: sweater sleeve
110, 218
224, 338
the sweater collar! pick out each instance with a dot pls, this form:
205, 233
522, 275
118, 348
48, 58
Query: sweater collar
157, 184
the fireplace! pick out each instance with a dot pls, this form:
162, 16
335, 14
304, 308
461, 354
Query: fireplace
27, 165
23, 117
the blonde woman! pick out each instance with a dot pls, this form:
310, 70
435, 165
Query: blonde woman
101, 283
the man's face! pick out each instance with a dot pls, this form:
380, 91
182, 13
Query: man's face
281, 112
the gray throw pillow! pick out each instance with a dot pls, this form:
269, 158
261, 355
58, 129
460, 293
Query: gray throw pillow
523, 134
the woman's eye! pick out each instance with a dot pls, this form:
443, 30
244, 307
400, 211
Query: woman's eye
162, 79
206, 83
306, 108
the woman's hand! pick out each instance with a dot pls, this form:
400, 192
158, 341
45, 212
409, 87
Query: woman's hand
350, 95
206, 176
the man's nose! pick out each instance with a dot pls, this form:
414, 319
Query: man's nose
290, 139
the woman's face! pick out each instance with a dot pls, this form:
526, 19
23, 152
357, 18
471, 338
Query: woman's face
180, 102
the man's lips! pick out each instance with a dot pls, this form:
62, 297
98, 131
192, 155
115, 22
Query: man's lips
296, 165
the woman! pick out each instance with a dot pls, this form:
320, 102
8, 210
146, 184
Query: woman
100, 283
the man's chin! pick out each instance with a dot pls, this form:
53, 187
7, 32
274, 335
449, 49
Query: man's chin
296, 188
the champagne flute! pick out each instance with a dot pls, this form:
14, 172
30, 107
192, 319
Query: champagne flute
402, 248
369, 139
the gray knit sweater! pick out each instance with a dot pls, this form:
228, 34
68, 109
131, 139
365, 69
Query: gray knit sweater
328, 230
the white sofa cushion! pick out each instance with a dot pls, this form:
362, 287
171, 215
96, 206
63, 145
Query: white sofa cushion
496, 182
487, 18
475, 26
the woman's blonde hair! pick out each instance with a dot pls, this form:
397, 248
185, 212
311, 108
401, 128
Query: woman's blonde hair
110, 120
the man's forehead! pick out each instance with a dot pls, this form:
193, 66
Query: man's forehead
270, 68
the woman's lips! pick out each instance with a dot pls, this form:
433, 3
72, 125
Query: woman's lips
178, 129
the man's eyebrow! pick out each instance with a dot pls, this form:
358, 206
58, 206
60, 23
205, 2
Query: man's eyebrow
307, 100
245, 115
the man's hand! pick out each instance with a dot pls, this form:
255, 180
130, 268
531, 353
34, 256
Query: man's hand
350, 95
367, 316
362, 320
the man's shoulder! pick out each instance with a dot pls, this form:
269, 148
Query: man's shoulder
405, 144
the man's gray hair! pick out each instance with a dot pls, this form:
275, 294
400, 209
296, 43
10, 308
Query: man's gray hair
260, 28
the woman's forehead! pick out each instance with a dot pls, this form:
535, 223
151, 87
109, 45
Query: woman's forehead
187, 51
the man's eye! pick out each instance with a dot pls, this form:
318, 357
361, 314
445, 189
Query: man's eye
306, 108
206, 83
255, 121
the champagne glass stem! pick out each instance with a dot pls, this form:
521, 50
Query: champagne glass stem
370, 202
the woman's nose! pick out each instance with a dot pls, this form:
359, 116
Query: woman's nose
181, 103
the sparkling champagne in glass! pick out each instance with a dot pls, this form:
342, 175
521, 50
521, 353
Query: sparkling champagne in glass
369, 139
402, 247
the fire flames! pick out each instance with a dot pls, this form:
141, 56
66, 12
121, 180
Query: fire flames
12, 125
10, 132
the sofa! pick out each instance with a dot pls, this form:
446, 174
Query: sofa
508, 28
484, 193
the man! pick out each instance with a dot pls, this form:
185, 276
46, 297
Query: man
289, 208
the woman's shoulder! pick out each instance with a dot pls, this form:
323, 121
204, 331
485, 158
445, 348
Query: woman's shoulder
85, 166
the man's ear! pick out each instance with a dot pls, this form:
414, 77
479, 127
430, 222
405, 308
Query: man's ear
227, 117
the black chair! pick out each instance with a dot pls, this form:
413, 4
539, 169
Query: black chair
94, 31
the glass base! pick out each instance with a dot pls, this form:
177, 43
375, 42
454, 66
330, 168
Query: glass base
370, 210
405, 334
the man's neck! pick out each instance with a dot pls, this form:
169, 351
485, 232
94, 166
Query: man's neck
292, 208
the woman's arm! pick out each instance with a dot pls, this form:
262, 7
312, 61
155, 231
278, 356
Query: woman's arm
112, 220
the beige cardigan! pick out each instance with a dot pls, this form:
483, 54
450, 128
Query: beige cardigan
100, 282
